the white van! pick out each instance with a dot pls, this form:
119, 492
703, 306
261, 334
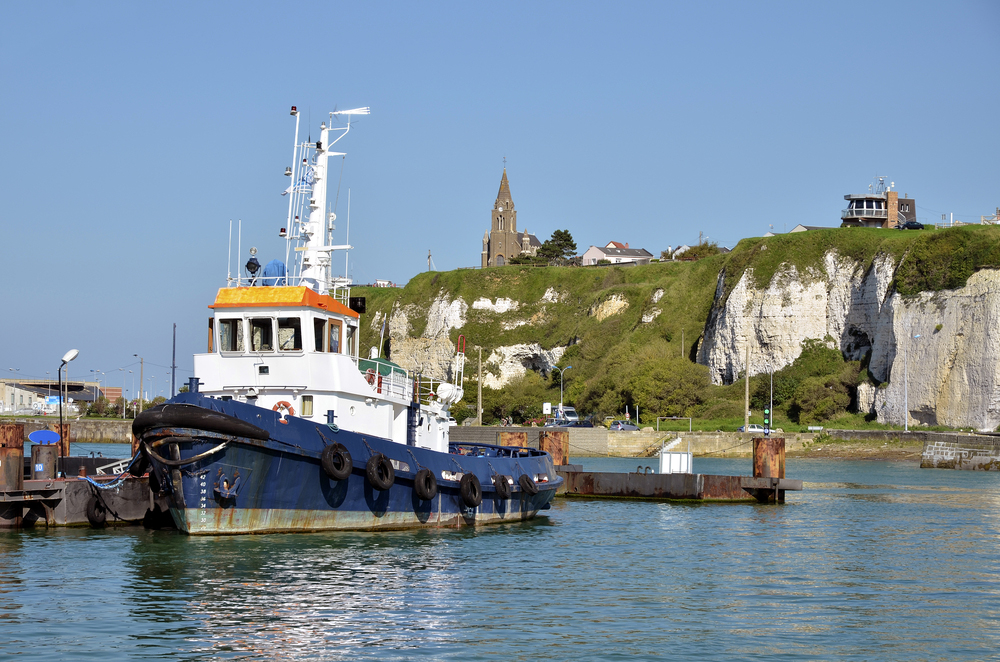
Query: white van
569, 414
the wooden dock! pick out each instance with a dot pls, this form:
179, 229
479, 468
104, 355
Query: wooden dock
767, 485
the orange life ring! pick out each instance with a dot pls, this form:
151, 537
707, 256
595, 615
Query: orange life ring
283, 404
370, 376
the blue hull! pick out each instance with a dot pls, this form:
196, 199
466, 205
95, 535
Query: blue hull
282, 485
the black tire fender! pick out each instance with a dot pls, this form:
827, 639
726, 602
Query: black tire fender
425, 484
97, 514
471, 490
380, 472
336, 462
527, 484
502, 486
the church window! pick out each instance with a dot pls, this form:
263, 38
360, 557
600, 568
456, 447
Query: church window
499, 260
500, 218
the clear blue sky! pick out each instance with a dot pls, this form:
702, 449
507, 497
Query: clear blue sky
132, 132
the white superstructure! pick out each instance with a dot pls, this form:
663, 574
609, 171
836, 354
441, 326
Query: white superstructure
290, 342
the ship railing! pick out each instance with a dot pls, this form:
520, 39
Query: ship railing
491, 450
864, 213
339, 288
386, 379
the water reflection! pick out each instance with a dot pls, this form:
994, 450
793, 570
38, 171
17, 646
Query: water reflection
869, 562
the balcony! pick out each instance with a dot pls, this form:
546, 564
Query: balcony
852, 213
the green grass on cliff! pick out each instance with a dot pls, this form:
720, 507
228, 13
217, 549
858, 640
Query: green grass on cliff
621, 361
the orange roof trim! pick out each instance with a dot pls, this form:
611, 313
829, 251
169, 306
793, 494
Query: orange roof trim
284, 297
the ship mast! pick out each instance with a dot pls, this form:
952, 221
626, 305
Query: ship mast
309, 190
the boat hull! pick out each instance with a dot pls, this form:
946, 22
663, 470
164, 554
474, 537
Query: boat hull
225, 478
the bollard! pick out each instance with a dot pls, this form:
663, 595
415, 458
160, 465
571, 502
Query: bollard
769, 462
82, 473
43, 461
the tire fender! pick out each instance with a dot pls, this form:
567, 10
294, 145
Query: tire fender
380, 472
471, 490
425, 484
336, 461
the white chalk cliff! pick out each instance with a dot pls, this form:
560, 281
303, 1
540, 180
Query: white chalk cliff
937, 354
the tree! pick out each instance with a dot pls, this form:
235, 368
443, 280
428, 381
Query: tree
560, 246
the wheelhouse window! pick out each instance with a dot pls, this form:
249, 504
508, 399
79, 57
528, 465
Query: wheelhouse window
231, 335
335, 336
319, 334
289, 334
261, 335
351, 333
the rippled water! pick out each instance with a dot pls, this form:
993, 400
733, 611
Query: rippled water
873, 561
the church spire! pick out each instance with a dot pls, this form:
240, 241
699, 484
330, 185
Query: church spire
503, 197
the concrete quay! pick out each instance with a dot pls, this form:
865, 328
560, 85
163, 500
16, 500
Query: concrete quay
600, 442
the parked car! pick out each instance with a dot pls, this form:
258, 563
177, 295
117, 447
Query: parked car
623, 426
910, 225
452, 421
569, 413
753, 427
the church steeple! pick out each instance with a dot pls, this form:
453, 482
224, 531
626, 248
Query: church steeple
503, 197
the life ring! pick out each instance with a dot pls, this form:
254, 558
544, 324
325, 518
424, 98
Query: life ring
502, 486
471, 490
336, 461
287, 406
527, 485
380, 472
370, 377
97, 514
425, 485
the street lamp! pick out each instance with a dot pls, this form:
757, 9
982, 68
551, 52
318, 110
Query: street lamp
67, 357
97, 378
906, 385
141, 366
561, 389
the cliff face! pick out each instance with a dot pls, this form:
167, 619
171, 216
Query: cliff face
936, 354
432, 352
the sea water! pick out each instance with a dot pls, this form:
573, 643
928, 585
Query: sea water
872, 561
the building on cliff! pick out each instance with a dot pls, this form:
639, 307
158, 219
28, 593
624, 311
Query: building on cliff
616, 253
881, 207
503, 242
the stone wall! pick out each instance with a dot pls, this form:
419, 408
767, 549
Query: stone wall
599, 442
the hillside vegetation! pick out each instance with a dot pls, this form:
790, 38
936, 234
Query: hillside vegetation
620, 361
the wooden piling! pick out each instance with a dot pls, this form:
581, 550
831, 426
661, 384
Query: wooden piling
556, 444
769, 462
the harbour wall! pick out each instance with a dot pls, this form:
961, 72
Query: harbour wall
600, 442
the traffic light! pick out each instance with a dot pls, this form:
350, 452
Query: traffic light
767, 420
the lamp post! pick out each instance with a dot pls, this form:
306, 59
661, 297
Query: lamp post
123, 392
906, 387
141, 366
67, 357
561, 389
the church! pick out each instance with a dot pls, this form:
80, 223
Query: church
503, 242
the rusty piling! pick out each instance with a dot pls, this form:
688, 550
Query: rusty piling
769, 462
11, 472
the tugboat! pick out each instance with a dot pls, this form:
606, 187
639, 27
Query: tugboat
286, 428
